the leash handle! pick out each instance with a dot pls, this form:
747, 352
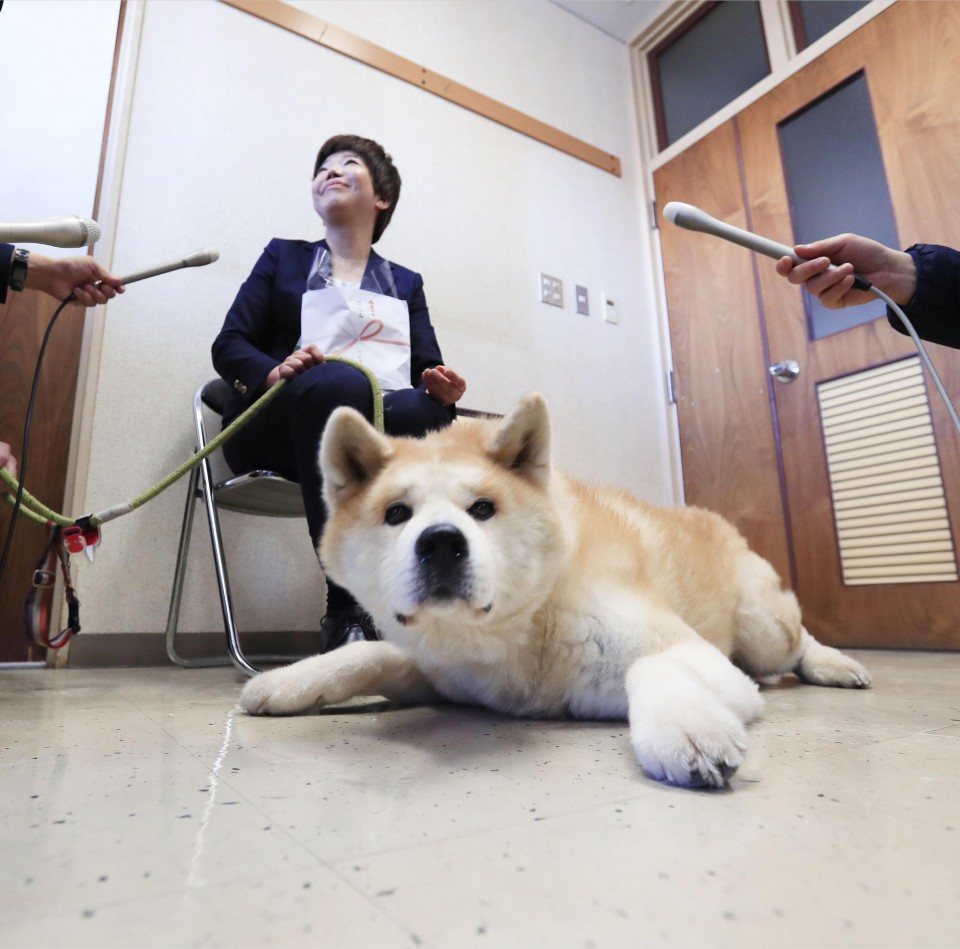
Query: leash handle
39, 606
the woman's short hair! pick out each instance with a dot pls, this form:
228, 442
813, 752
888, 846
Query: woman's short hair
386, 178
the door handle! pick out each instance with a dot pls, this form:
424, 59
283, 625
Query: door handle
785, 371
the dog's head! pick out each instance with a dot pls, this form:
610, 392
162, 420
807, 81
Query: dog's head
455, 536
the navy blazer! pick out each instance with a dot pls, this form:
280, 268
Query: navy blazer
262, 327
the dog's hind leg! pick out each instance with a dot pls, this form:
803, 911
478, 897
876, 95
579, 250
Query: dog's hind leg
771, 639
824, 665
360, 668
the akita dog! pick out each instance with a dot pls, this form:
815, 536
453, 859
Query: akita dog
496, 580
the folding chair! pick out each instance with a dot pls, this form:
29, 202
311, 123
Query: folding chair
253, 492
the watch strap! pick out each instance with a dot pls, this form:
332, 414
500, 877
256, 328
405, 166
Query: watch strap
19, 265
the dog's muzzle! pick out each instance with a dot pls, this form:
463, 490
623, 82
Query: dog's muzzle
443, 555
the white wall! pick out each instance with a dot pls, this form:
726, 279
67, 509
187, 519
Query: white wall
53, 114
227, 115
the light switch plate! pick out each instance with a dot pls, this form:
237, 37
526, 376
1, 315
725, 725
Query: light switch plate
583, 300
551, 290
611, 312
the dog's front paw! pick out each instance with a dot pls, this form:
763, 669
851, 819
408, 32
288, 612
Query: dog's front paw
285, 691
698, 746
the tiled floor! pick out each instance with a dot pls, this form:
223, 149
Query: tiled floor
139, 808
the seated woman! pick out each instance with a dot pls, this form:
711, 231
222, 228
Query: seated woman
355, 191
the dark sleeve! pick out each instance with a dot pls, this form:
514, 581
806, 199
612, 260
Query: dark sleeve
424, 348
6, 257
934, 309
255, 336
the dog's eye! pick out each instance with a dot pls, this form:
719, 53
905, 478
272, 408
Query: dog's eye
397, 514
482, 510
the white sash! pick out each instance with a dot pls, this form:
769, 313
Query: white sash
370, 328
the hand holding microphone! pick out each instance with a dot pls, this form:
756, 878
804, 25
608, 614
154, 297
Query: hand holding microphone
888, 274
838, 280
890, 270
82, 277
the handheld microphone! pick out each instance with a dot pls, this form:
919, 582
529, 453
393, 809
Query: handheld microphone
693, 219
199, 258
66, 231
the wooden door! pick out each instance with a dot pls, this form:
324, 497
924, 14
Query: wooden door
23, 320
909, 55
896, 528
728, 438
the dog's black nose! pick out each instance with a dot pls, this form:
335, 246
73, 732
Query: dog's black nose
441, 543
442, 551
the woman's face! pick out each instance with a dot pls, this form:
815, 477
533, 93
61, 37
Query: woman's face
343, 190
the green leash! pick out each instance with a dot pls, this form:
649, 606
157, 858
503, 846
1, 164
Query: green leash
37, 511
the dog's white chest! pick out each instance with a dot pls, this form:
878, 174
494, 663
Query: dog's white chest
578, 669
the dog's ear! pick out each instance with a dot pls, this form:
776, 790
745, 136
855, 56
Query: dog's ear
352, 452
522, 441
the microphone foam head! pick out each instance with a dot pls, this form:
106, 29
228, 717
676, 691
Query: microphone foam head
91, 231
200, 258
671, 211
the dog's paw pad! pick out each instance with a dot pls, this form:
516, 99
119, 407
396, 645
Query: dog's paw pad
694, 751
712, 766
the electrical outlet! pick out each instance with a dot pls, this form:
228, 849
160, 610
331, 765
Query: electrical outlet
583, 301
551, 290
611, 312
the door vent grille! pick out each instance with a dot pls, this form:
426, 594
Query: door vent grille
888, 500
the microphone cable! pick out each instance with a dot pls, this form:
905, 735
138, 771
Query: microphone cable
198, 258
922, 350
8, 542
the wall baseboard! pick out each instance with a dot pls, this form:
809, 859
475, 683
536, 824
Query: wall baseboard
149, 649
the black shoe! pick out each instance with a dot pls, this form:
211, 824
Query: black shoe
346, 626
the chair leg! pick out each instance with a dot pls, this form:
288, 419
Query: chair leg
223, 581
179, 575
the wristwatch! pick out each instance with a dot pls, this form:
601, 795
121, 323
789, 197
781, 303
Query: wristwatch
18, 268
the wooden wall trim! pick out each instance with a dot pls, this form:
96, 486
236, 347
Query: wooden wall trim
332, 37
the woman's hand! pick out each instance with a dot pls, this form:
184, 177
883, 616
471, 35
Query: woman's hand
444, 385
298, 361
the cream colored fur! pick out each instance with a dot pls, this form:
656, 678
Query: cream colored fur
495, 580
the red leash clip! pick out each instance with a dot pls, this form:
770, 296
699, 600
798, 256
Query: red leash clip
77, 540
